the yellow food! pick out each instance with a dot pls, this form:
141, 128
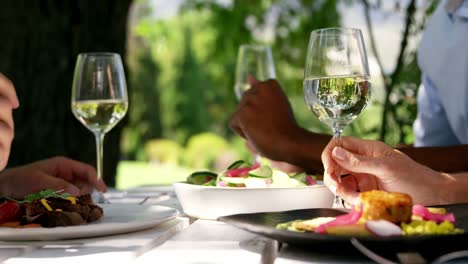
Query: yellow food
420, 227
349, 230
46, 205
381, 205
310, 225
72, 199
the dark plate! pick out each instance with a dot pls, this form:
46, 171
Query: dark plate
264, 224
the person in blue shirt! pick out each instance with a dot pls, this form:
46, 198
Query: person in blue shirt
443, 95
442, 121
58, 173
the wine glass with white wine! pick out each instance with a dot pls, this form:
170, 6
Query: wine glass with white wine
99, 97
336, 78
253, 61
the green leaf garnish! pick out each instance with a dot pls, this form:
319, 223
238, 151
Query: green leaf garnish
44, 194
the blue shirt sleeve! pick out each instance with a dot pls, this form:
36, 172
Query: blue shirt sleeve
432, 127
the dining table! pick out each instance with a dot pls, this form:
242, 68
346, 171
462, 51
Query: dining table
183, 239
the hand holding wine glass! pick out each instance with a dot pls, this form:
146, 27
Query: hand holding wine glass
254, 63
336, 77
99, 97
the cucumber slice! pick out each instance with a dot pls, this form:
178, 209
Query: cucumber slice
234, 180
282, 179
236, 164
212, 182
201, 177
263, 171
300, 176
204, 173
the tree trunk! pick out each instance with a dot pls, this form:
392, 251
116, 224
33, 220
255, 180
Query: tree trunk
39, 43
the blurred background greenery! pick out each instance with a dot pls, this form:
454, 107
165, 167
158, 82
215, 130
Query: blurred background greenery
180, 58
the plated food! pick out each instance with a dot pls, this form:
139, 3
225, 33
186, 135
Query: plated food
49, 208
118, 219
380, 213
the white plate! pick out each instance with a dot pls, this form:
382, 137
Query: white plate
210, 202
117, 219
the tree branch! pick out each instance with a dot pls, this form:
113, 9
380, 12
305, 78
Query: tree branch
410, 10
372, 40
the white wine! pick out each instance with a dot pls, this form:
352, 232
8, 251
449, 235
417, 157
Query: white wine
240, 89
337, 101
99, 116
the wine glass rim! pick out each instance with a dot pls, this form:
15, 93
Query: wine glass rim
101, 54
335, 31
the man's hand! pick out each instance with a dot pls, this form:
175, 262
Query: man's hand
265, 118
56, 173
8, 102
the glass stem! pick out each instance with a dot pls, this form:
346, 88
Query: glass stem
338, 203
99, 154
337, 137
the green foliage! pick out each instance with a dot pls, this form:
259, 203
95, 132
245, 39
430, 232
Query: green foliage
202, 150
190, 103
182, 81
163, 151
144, 107
136, 173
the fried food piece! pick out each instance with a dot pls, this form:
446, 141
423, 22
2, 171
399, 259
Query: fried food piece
310, 225
381, 205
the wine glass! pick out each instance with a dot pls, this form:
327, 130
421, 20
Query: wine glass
336, 78
99, 97
253, 61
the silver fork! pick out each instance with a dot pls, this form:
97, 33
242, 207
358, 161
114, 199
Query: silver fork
144, 200
451, 256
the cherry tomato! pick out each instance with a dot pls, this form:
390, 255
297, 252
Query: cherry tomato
9, 211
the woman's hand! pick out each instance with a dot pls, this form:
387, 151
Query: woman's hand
374, 165
8, 102
58, 173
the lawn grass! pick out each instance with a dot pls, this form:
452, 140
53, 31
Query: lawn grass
133, 173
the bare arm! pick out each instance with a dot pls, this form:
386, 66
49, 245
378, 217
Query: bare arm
454, 188
446, 159
304, 150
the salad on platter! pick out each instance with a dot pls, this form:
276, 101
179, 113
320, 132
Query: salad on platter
247, 175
